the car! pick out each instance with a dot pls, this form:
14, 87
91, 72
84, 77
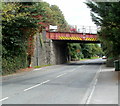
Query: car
104, 57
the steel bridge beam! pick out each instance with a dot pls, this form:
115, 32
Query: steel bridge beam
72, 37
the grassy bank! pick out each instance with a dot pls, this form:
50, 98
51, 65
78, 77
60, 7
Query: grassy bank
90, 58
42, 66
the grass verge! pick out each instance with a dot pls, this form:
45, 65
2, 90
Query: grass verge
42, 66
90, 58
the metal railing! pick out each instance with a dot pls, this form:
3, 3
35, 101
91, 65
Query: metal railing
86, 29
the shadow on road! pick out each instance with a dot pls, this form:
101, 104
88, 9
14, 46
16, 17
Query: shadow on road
87, 63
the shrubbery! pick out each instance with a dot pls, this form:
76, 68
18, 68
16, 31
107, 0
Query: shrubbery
10, 65
14, 37
20, 22
80, 51
106, 16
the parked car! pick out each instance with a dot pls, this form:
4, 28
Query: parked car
104, 57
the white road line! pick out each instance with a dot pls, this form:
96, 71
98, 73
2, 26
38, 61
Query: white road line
36, 85
45, 81
4, 99
75, 68
91, 88
72, 70
60, 75
37, 69
32, 87
89, 98
69, 71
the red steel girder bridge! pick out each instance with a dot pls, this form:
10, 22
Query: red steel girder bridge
73, 37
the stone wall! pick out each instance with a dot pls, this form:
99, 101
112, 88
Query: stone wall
47, 51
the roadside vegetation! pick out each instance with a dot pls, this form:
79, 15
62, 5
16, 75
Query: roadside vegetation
106, 16
20, 23
42, 66
84, 51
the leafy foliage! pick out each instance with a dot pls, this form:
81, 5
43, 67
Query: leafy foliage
75, 51
20, 22
106, 15
80, 51
58, 19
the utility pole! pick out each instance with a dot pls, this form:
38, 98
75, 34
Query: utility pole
37, 51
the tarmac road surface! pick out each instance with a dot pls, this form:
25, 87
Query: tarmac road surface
58, 84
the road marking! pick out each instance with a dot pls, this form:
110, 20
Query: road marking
72, 70
45, 81
36, 85
75, 68
32, 87
91, 88
4, 99
37, 69
89, 98
60, 75
69, 71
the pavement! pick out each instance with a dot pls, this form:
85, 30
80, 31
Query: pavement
105, 89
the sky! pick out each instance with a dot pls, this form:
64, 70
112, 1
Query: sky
75, 11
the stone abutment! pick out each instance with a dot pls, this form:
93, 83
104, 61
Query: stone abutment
48, 51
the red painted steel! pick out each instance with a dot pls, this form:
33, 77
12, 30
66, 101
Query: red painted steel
71, 36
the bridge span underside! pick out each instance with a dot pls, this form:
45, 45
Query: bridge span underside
75, 41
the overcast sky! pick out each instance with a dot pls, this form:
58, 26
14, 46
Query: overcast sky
75, 11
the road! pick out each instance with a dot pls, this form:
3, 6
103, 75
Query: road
58, 84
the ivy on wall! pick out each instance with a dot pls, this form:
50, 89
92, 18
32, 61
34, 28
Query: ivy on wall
20, 22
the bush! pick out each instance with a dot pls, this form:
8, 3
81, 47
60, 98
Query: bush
12, 64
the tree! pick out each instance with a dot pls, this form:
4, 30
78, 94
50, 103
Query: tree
15, 21
59, 19
79, 51
91, 50
74, 51
106, 15
20, 22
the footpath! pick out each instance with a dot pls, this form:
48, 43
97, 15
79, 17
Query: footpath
106, 88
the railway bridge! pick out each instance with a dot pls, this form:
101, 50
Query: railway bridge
54, 46
72, 37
